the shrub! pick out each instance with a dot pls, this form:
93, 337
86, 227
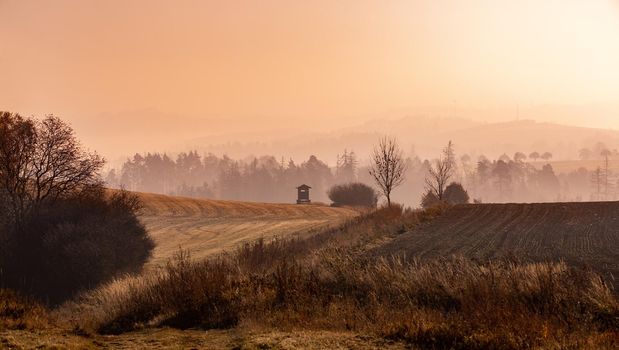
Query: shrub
450, 303
456, 194
76, 244
429, 200
327, 282
60, 231
353, 194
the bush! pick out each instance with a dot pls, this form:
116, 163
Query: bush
353, 194
430, 200
449, 303
76, 244
456, 194
60, 231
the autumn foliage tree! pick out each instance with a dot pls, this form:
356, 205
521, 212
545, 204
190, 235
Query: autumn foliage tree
41, 161
61, 231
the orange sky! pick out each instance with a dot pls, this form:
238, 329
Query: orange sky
249, 64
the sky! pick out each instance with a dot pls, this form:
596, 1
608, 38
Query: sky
139, 73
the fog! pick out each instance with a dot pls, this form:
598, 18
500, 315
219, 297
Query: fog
133, 76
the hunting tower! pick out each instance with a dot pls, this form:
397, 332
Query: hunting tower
303, 194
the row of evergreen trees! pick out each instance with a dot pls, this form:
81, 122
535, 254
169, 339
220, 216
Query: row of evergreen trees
262, 179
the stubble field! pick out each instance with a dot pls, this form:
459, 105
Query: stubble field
205, 227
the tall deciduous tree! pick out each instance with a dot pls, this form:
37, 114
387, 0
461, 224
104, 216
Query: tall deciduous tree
388, 167
41, 161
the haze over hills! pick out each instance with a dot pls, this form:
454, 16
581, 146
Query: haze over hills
423, 136
561, 130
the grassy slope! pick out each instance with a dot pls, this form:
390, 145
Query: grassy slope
205, 227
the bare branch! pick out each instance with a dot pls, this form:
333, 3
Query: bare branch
441, 172
42, 161
388, 167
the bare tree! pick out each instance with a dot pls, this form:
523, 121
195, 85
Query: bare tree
606, 173
388, 166
441, 172
42, 161
597, 183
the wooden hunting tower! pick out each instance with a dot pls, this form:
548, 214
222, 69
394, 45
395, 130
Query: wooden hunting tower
303, 194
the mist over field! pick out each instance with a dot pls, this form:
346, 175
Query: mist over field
292, 174
513, 161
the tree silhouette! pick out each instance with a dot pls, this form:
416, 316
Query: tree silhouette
388, 167
41, 161
520, 157
441, 172
456, 194
546, 156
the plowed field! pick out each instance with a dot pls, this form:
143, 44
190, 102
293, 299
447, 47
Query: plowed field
584, 234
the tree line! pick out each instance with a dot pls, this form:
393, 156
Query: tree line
516, 178
260, 179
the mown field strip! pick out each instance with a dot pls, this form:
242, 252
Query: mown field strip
206, 227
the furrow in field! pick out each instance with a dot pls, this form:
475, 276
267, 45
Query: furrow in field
578, 233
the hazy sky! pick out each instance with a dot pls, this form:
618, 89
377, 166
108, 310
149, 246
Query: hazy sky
249, 64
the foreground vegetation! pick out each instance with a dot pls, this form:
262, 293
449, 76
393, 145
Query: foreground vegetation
329, 282
60, 231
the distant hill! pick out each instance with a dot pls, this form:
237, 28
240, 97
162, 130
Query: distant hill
424, 136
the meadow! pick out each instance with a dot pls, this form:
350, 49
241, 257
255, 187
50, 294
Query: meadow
330, 289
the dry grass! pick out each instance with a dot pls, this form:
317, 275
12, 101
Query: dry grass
18, 312
326, 283
206, 227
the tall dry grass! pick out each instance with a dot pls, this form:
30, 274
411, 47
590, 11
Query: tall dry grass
326, 283
22, 312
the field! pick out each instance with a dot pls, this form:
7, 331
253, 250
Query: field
344, 286
581, 234
205, 227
